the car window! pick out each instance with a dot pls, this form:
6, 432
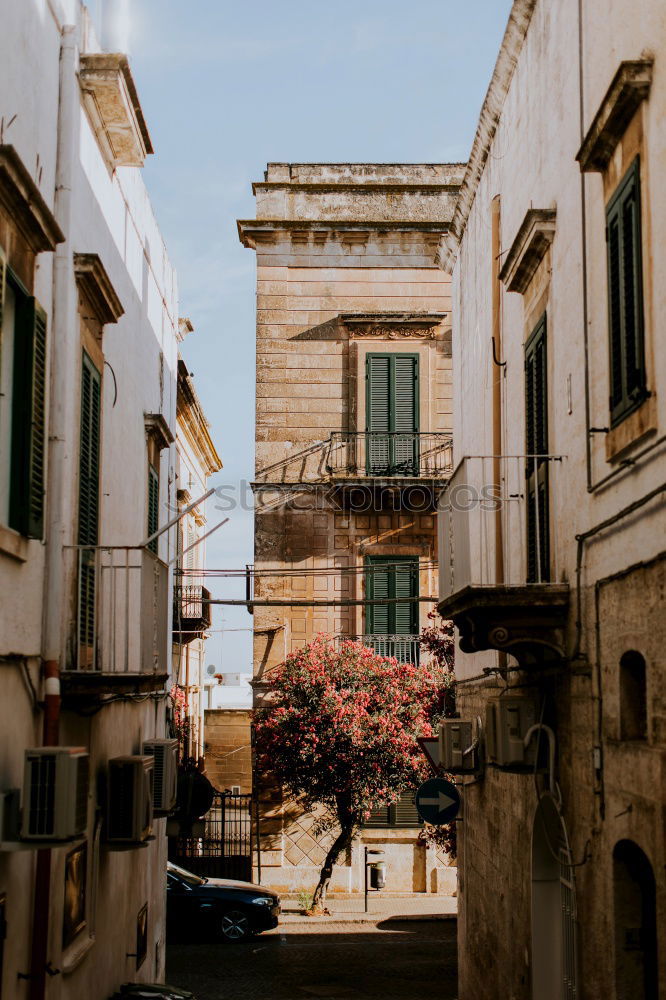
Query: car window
180, 874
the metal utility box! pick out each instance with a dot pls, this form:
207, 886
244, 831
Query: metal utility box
378, 875
455, 737
507, 722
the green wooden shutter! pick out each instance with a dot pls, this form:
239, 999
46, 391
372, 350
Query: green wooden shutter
377, 588
625, 297
536, 469
389, 577
404, 811
89, 453
392, 414
88, 531
405, 584
153, 505
378, 412
26, 502
405, 414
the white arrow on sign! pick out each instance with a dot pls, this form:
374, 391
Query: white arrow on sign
442, 802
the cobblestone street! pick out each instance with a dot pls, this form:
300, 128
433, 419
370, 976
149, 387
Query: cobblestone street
390, 960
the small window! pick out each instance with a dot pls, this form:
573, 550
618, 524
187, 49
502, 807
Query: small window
633, 697
628, 384
401, 814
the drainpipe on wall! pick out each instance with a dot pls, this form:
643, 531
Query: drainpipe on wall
60, 479
498, 369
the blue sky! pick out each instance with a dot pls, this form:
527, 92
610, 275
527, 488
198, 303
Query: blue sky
227, 87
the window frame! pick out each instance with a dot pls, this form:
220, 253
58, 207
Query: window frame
622, 405
374, 561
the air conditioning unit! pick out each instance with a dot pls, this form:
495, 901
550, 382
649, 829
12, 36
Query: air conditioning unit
55, 793
165, 774
129, 817
455, 737
507, 722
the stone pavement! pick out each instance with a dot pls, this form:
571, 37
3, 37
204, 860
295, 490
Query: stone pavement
381, 906
384, 960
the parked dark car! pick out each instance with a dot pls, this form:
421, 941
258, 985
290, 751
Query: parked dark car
226, 909
152, 991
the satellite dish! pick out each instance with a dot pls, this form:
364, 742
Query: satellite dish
211, 670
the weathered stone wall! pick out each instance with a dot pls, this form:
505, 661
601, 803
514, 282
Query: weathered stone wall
227, 748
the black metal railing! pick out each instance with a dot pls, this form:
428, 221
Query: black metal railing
191, 610
225, 849
405, 648
394, 454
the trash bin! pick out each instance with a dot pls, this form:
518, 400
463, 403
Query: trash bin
378, 875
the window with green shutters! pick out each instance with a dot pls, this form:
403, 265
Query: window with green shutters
392, 417
89, 468
536, 468
391, 578
153, 505
23, 361
628, 383
401, 814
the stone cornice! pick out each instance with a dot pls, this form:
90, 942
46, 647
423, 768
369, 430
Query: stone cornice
112, 102
192, 419
250, 230
92, 279
510, 49
528, 249
158, 429
355, 188
629, 88
393, 326
23, 202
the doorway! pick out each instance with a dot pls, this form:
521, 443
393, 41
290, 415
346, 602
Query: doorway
635, 920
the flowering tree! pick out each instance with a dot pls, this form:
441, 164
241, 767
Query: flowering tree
340, 730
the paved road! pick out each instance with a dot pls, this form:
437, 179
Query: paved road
411, 960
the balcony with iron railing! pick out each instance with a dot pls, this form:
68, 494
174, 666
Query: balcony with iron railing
191, 612
499, 574
405, 648
120, 634
394, 455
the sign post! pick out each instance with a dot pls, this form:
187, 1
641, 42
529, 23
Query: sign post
437, 801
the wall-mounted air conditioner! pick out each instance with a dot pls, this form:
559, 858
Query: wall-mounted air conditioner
55, 793
458, 753
165, 774
507, 722
129, 816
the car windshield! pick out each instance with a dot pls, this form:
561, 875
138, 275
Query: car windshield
185, 876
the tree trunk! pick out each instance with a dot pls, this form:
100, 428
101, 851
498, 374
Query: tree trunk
348, 822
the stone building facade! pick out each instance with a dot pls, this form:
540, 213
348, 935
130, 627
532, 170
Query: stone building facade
555, 574
196, 460
353, 441
88, 365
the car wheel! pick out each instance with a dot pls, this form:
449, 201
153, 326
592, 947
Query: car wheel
234, 925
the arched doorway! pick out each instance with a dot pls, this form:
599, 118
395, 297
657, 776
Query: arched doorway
553, 907
635, 920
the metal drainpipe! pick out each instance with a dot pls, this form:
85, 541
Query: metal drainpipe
64, 333
498, 370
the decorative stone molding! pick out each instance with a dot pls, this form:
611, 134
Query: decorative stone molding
158, 429
535, 235
629, 88
184, 327
393, 326
526, 621
94, 282
112, 102
22, 201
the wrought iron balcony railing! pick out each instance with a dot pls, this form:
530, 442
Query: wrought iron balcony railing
191, 612
405, 648
121, 614
372, 454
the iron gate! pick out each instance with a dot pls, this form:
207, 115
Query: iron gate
225, 849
